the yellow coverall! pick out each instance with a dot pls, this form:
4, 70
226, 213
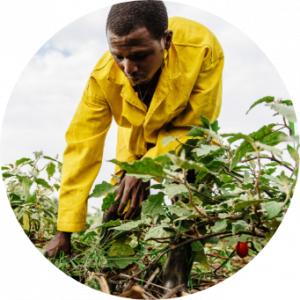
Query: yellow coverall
189, 85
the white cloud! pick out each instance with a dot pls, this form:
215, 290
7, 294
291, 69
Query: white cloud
48, 91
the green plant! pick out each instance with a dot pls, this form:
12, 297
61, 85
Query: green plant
242, 191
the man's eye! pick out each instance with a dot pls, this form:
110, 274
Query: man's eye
141, 56
118, 57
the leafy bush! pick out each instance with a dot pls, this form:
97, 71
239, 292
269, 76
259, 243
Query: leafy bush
242, 191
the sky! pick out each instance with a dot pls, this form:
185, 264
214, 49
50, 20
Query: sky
49, 89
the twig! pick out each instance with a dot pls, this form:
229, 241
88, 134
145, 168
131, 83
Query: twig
41, 241
103, 284
151, 278
225, 262
229, 173
138, 279
270, 158
173, 292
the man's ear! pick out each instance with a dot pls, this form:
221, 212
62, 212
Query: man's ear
168, 38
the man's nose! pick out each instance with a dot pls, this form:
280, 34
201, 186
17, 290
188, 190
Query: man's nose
129, 67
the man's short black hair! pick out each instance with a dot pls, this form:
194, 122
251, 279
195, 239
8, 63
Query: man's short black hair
127, 17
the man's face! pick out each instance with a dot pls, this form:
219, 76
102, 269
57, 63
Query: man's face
137, 54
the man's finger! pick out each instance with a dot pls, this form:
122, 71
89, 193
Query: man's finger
133, 205
120, 191
125, 198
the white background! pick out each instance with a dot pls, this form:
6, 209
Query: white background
47, 93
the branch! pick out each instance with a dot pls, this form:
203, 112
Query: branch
151, 278
272, 159
173, 292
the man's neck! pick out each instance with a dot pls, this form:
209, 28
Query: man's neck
149, 88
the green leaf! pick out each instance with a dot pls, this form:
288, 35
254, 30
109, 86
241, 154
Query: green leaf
131, 225
31, 199
263, 135
287, 102
232, 240
169, 140
267, 99
272, 164
59, 166
242, 205
7, 175
229, 196
196, 132
201, 258
50, 158
112, 223
215, 126
205, 149
292, 126
102, 189
57, 186
144, 177
26, 185
294, 138
272, 178
179, 211
188, 164
247, 178
219, 226
22, 160
117, 178
37, 154
153, 205
4, 168
108, 201
50, 170
175, 189
145, 166
237, 136
157, 186
227, 179
157, 232
211, 133
257, 244
239, 225
273, 209
273, 150
184, 205
42, 182
205, 122
197, 246
122, 262
286, 111
163, 159
294, 153
120, 248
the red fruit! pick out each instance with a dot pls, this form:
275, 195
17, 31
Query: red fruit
42, 235
242, 249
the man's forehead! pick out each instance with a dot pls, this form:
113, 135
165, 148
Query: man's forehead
139, 37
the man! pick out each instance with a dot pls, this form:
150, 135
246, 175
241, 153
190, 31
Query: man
156, 80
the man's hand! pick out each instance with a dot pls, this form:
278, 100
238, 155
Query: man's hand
61, 242
135, 190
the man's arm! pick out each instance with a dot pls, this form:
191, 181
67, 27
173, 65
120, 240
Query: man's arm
83, 157
82, 160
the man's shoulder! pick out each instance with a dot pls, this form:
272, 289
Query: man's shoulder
189, 33
103, 65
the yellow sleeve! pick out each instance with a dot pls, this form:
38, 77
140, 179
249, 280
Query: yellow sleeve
205, 99
82, 157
